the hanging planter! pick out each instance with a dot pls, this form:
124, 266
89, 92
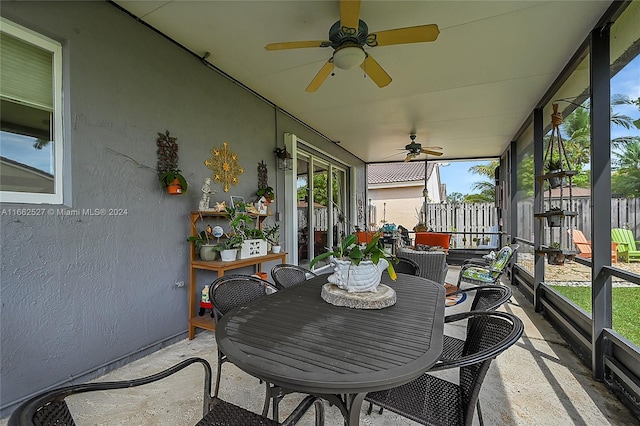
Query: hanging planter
555, 258
554, 217
555, 157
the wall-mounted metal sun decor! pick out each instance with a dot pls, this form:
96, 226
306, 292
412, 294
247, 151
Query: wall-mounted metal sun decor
224, 165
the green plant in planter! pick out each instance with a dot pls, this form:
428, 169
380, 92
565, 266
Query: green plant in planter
254, 234
166, 178
199, 240
272, 234
349, 249
555, 245
231, 242
267, 193
554, 164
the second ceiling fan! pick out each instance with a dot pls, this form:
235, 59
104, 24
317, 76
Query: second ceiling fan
349, 35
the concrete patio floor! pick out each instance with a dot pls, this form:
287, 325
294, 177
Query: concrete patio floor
539, 381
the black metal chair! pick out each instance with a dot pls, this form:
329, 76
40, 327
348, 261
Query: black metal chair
286, 275
406, 266
431, 400
49, 408
228, 292
487, 298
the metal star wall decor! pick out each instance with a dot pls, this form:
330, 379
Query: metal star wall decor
224, 165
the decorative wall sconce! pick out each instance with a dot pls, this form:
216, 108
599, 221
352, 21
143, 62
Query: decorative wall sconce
285, 161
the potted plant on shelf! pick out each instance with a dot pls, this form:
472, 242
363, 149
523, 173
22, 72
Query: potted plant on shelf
229, 247
272, 234
253, 242
555, 215
555, 256
358, 268
173, 181
205, 247
554, 166
267, 193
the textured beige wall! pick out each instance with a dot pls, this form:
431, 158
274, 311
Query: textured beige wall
401, 204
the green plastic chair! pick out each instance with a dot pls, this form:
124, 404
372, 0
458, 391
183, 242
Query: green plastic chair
627, 250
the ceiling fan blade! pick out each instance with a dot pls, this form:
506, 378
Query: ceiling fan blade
320, 77
375, 71
349, 13
417, 34
428, 151
432, 147
409, 157
297, 44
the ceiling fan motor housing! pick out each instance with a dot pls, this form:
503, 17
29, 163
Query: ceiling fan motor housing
340, 35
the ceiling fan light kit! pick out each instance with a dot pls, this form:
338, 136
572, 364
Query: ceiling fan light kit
348, 57
349, 35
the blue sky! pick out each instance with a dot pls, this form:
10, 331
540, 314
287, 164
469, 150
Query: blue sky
458, 179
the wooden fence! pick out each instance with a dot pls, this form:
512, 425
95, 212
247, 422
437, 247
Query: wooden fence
479, 220
474, 224
625, 213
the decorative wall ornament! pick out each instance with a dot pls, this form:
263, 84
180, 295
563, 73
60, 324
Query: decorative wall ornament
262, 175
224, 165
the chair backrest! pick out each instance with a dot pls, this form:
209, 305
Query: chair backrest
624, 237
489, 297
582, 244
489, 333
230, 291
286, 275
502, 259
406, 266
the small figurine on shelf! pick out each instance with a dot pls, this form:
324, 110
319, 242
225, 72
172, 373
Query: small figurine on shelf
262, 205
206, 195
205, 302
220, 207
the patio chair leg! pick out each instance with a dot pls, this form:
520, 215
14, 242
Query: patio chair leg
221, 358
479, 413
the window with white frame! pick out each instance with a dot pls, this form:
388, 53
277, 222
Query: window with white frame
31, 116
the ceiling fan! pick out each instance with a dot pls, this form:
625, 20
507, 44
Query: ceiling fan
415, 149
348, 37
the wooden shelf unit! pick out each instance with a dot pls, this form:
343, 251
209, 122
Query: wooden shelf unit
206, 322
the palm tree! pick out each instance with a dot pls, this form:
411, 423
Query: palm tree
487, 189
626, 176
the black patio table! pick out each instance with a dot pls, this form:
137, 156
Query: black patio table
296, 340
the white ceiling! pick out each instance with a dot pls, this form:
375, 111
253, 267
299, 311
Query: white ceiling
468, 92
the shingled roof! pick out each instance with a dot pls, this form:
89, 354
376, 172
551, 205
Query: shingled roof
397, 172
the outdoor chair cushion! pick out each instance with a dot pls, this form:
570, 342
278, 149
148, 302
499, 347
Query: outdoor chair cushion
486, 275
439, 239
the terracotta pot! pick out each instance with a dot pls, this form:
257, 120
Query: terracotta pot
174, 188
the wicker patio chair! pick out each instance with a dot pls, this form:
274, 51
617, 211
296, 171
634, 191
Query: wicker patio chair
431, 400
50, 408
406, 266
487, 298
433, 264
286, 275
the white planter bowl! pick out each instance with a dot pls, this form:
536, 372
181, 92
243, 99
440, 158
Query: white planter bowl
355, 279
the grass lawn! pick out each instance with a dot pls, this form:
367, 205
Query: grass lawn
626, 307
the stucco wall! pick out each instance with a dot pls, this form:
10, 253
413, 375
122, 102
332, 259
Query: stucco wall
401, 204
81, 294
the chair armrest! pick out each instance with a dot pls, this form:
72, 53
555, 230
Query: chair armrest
23, 415
463, 361
624, 246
